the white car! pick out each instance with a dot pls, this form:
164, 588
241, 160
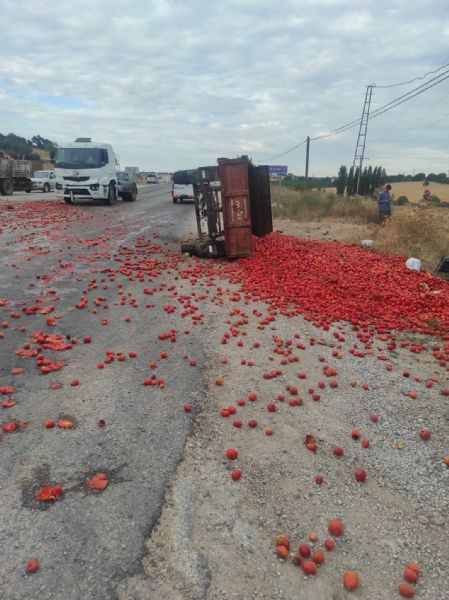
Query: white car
44, 180
152, 178
180, 193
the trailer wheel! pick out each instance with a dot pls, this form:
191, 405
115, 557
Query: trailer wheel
112, 195
46, 188
6, 187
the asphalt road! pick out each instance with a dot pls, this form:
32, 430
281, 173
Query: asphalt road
88, 541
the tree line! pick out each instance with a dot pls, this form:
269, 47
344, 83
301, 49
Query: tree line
20, 147
369, 180
372, 179
435, 177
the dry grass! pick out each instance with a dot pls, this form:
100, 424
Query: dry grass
414, 190
420, 232
308, 206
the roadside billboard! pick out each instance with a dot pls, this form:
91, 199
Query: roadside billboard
277, 170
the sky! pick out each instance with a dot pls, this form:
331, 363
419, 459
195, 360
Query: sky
175, 84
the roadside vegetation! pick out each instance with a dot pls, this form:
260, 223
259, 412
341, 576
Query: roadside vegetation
315, 205
422, 232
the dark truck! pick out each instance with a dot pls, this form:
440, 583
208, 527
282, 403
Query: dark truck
15, 174
127, 187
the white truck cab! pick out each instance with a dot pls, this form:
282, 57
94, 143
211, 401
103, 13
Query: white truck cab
86, 169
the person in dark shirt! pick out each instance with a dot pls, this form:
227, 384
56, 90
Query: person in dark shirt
384, 203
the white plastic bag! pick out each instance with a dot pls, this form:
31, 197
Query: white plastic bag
366, 243
413, 263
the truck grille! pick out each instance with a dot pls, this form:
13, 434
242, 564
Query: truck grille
79, 191
73, 178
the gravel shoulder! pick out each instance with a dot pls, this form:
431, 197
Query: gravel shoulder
215, 538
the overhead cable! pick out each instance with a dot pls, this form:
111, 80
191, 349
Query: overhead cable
414, 79
286, 152
381, 110
390, 105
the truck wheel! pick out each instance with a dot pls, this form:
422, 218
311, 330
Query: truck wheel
130, 196
46, 188
6, 187
112, 197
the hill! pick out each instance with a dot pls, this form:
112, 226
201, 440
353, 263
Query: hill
20, 147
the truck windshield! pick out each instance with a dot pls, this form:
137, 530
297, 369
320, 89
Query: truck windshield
81, 158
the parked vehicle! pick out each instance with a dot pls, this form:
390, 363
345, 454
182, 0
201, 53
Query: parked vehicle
127, 185
86, 169
43, 180
14, 174
152, 178
180, 193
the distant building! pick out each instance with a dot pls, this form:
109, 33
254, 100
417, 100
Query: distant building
133, 171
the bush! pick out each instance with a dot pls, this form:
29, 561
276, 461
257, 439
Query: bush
401, 201
293, 184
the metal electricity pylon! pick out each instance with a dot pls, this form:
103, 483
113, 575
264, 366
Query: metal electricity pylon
361, 138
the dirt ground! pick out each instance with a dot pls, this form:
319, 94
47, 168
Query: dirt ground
329, 230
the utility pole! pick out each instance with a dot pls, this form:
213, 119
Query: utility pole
306, 179
359, 153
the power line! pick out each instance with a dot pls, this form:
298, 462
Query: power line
429, 127
423, 85
390, 105
428, 111
335, 131
412, 80
286, 152
379, 111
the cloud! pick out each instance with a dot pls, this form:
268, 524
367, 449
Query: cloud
355, 23
176, 84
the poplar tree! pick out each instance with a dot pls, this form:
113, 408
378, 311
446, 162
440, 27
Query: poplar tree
342, 180
350, 183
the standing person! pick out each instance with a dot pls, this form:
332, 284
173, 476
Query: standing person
384, 203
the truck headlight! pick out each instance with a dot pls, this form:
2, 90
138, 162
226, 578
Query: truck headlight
94, 187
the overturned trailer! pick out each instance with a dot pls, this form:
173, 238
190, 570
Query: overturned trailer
232, 203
